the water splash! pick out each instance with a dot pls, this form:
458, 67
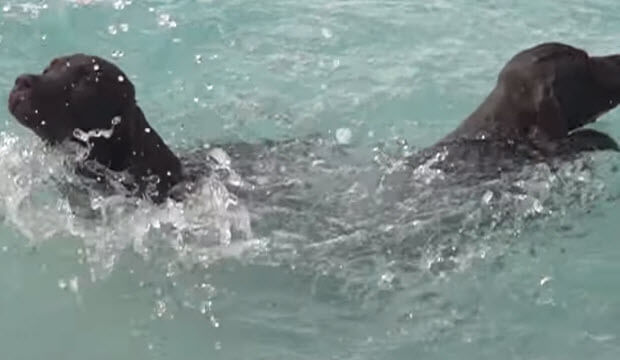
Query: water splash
321, 212
44, 199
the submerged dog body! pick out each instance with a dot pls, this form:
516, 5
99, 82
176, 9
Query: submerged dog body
543, 96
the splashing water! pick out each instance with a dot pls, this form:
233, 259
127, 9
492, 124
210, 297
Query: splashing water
35, 204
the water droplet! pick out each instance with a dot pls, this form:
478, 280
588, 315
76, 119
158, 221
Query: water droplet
166, 21
68, 64
343, 136
121, 78
537, 206
214, 321
487, 197
120, 4
112, 30
44, 37
160, 308
73, 285
147, 130
209, 87
386, 280
62, 284
124, 27
6, 8
117, 54
116, 120
5, 248
545, 280
168, 173
36, 111
96, 67
327, 33
198, 59
43, 123
196, 100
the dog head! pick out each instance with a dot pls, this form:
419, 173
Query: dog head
557, 88
73, 92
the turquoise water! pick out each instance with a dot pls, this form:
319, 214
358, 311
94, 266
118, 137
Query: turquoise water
319, 274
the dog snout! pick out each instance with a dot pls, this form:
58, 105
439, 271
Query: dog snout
23, 82
606, 71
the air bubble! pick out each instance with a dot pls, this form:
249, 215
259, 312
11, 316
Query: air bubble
112, 30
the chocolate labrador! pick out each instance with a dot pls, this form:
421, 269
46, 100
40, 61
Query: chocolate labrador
88, 100
543, 96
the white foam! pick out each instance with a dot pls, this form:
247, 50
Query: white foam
31, 199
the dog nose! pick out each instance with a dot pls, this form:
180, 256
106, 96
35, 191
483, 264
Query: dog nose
24, 82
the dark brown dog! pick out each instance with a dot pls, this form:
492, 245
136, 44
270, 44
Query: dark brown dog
79, 94
542, 98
